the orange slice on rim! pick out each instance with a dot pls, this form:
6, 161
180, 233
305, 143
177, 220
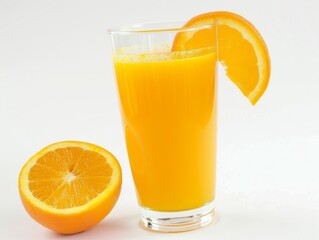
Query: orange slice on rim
241, 50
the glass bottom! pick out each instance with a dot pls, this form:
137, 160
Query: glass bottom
178, 221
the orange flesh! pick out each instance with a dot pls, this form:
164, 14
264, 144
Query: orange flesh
235, 59
241, 50
61, 178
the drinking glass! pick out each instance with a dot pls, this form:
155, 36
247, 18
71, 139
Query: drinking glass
168, 100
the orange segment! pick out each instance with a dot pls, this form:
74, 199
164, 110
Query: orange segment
70, 186
241, 50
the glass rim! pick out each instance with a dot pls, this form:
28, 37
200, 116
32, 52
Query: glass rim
142, 27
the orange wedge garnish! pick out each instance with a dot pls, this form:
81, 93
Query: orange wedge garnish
70, 186
241, 50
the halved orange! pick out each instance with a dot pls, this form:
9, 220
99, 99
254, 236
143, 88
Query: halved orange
70, 186
241, 50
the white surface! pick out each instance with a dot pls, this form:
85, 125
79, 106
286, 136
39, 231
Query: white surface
56, 83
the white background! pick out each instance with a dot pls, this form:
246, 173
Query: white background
57, 83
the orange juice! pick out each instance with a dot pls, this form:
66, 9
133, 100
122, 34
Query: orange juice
168, 104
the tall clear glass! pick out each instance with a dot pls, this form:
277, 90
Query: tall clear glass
168, 100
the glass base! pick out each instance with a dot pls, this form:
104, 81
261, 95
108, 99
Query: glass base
178, 221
